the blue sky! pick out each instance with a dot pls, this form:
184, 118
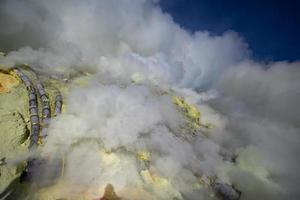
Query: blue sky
270, 27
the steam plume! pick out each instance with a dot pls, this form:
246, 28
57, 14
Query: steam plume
254, 106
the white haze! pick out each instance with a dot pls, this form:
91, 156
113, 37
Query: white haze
253, 105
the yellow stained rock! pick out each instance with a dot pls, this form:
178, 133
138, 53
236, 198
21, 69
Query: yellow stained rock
162, 186
153, 179
191, 112
7, 81
209, 126
110, 159
192, 116
144, 155
137, 78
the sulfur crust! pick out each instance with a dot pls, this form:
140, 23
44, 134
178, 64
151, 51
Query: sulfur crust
13, 130
16, 101
7, 81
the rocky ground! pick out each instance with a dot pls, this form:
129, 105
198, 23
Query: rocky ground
15, 138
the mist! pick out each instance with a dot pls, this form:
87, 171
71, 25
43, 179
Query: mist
134, 58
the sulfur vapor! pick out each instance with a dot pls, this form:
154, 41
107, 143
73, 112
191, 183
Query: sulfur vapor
127, 65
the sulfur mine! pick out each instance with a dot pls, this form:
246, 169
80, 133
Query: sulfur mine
149, 100
42, 105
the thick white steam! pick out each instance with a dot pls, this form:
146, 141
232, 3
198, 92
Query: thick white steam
253, 106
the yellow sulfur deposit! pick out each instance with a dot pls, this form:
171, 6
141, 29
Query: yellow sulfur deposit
144, 155
191, 114
190, 111
137, 78
7, 81
15, 126
14, 131
154, 179
162, 186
